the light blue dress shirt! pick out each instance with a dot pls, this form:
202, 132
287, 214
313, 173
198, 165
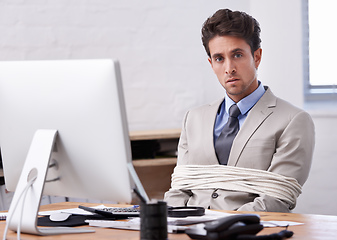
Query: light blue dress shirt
244, 105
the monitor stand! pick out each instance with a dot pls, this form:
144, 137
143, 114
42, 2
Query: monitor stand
23, 211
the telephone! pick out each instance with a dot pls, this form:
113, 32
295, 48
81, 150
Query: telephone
235, 227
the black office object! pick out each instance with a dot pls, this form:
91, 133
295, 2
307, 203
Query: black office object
153, 220
235, 227
185, 211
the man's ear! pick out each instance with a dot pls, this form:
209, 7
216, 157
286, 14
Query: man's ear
210, 61
257, 57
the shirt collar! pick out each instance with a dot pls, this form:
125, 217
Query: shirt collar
246, 103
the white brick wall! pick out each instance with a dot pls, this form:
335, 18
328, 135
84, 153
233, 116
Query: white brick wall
164, 67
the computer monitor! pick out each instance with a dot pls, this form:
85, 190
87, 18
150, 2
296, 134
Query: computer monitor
67, 117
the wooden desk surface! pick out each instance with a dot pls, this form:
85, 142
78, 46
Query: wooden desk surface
315, 227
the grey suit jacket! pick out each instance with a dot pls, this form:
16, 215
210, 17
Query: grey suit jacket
276, 137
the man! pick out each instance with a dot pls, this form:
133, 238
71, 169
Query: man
262, 163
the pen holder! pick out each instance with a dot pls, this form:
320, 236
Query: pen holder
153, 221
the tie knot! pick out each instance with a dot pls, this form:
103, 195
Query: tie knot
234, 111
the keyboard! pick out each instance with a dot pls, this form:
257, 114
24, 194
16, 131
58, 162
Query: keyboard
114, 212
122, 210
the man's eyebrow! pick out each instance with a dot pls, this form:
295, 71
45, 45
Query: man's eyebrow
237, 50
215, 55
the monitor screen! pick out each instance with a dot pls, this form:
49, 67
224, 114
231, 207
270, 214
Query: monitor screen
83, 101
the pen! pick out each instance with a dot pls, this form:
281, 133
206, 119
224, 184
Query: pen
132, 207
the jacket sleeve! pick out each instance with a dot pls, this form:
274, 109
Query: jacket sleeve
292, 158
175, 197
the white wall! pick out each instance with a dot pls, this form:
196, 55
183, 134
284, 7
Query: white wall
281, 32
320, 191
164, 67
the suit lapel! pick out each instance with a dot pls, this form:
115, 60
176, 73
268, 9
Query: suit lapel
257, 115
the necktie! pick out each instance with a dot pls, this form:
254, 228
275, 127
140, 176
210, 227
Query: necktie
224, 142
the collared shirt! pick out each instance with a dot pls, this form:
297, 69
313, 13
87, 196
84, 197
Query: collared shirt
244, 105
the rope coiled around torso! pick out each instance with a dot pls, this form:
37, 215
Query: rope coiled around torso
198, 177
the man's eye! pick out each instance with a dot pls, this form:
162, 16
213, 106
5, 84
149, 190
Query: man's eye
238, 55
219, 59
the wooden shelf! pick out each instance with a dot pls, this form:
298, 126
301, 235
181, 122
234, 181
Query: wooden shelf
155, 134
155, 172
154, 162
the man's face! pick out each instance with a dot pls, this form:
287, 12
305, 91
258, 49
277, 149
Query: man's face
234, 65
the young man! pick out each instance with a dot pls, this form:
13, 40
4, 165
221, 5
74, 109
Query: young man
257, 158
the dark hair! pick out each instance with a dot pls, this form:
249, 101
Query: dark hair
231, 23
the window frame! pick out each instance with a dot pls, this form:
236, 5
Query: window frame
312, 93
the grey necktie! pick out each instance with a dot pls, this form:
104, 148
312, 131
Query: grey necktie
224, 142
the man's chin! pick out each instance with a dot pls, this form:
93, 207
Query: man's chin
233, 90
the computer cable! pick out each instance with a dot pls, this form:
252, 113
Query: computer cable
22, 194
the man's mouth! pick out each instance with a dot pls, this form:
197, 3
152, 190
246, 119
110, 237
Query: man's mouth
232, 80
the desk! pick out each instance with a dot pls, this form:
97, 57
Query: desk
316, 227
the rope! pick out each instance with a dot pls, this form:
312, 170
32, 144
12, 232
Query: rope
198, 177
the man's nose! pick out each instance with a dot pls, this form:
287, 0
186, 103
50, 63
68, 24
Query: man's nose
230, 67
